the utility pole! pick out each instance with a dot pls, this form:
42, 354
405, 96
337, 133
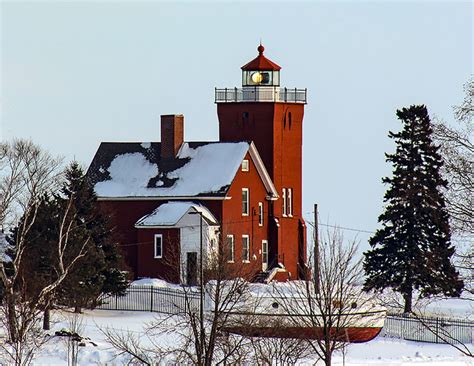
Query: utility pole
316, 250
201, 284
201, 300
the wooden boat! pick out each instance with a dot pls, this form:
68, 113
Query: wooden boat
292, 314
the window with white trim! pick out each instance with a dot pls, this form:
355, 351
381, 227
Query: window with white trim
289, 200
260, 214
284, 202
245, 201
245, 165
230, 248
245, 248
158, 246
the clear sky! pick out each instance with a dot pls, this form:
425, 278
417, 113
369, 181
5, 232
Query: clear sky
78, 73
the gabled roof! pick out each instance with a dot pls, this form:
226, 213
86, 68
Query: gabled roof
171, 213
200, 170
261, 62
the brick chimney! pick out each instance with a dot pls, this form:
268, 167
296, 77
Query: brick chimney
172, 134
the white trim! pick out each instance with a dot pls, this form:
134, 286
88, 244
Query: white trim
247, 202
262, 171
289, 200
283, 195
232, 248
260, 214
248, 248
161, 246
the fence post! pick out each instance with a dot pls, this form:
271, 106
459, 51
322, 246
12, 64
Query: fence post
151, 298
437, 329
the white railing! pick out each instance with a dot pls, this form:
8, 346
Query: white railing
260, 94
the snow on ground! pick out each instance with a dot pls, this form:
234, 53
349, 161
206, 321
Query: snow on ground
379, 352
459, 308
155, 282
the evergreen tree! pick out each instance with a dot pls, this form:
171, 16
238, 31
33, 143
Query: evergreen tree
412, 251
37, 268
99, 272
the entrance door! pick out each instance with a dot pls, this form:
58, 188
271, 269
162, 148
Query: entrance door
264, 255
191, 268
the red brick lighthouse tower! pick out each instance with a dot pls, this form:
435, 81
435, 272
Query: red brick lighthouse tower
272, 117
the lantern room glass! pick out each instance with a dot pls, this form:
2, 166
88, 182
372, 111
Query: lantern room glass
260, 77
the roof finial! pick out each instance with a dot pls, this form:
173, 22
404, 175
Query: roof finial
260, 48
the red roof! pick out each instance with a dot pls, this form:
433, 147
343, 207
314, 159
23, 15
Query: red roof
261, 62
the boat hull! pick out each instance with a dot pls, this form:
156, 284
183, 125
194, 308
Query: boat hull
349, 334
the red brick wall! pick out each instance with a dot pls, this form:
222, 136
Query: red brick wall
123, 216
236, 224
166, 267
280, 146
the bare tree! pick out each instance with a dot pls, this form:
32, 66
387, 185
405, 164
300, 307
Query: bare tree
27, 174
198, 332
268, 351
457, 148
331, 309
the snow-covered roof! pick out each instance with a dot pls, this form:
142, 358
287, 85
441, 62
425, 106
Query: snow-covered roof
201, 169
169, 214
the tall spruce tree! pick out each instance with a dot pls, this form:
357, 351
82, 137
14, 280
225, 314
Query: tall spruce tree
412, 251
100, 270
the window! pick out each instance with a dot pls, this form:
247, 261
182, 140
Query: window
245, 201
289, 200
245, 248
158, 246
260, 214
230, 248
264, 252
245, 165
284, 202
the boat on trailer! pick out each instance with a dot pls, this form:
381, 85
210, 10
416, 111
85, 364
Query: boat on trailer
286, 312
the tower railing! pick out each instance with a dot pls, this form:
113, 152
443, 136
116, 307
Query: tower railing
260, 94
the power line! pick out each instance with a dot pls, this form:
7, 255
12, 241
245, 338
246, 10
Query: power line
341, 227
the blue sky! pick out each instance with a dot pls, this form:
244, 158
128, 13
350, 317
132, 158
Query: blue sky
78, 73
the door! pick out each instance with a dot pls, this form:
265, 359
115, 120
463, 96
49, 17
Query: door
264, 255
191, 268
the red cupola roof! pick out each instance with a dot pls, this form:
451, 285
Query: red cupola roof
261, 62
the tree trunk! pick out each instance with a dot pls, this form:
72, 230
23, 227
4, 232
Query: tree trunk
328, 358
46, 319
408, 297
12, 320
77, 310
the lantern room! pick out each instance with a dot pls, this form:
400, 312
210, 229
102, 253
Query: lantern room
260, 83
261, 71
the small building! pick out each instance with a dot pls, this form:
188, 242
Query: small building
172, 200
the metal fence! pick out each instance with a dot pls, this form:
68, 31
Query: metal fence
260, 94
148, 298
180, 300
428, 329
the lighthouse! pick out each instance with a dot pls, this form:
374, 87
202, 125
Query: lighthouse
271, 116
